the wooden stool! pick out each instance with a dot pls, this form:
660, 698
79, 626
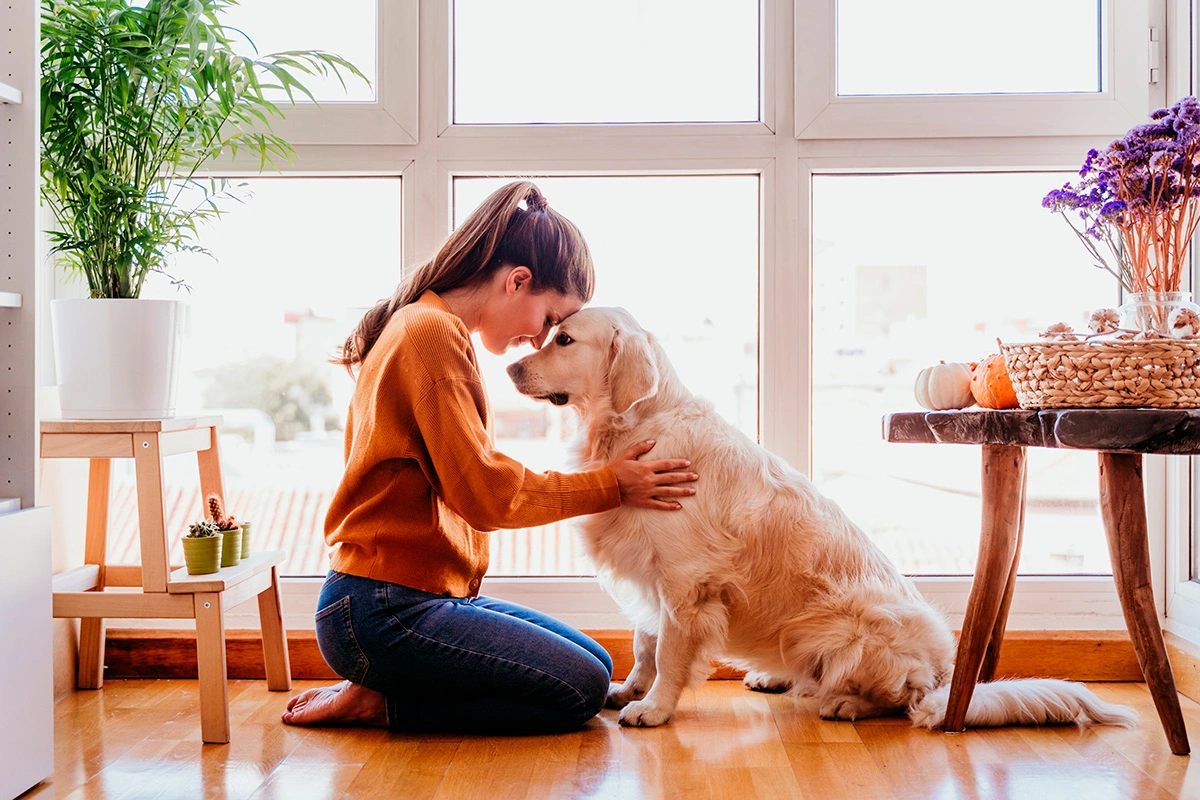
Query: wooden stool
165, 593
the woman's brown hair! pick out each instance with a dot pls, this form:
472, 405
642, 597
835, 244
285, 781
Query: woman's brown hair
500, 233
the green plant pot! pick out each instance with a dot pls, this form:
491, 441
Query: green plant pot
231, 547
202, 555
245, 540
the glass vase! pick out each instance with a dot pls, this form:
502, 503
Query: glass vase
1151, 311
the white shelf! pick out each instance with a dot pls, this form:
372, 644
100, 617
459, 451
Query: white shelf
10, 300
10, 94
26, 605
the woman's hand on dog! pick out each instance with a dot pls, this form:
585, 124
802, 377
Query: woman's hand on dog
652, 484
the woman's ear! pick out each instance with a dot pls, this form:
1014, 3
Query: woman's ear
519, 279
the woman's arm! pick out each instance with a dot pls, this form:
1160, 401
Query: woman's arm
490, 490
487, 488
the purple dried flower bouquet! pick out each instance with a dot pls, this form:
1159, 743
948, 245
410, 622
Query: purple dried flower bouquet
1139, 200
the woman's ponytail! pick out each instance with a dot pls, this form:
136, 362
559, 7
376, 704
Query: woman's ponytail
498, 233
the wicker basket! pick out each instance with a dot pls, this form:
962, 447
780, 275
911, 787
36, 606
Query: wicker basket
1158, 373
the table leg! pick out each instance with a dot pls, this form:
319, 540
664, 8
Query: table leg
152, 515
211, 668
91, 653
1123, 506
987, 672
1003, 479
274, 637
95, 551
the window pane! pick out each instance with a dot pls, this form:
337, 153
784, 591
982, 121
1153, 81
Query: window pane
956, 47
681, 254
524, 61
296, 266
937, 278
349, 31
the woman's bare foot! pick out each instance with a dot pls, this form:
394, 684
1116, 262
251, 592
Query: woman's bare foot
345, 703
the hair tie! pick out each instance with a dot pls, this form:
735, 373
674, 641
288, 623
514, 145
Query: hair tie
536, 202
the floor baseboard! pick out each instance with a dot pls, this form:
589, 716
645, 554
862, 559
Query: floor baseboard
1075, 655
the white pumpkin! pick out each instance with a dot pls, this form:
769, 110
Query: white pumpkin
945, 386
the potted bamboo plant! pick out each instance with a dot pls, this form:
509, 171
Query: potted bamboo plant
136, 99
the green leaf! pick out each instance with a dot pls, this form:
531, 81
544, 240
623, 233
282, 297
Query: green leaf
135, 99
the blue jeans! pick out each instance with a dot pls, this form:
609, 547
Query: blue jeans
460, 664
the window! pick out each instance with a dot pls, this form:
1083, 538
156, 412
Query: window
941, 47
952, 262
380, 38
766, 164
938, 68
680, 253
307, 25
617, 61
295, 264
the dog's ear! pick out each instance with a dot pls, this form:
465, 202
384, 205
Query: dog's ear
632, 370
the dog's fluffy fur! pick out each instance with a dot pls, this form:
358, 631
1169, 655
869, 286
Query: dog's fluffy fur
758, 570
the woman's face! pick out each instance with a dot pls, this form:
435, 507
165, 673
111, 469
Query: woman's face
516, 315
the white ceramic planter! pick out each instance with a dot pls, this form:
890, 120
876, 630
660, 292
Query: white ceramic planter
117, 359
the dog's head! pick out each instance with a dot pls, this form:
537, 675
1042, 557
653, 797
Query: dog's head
596, 355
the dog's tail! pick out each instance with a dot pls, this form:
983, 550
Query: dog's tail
1025, 702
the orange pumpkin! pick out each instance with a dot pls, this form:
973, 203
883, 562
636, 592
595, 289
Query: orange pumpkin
991, 385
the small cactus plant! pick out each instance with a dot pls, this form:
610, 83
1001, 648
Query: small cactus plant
217, 512
201, 530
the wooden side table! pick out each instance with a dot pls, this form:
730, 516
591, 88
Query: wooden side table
1121, 436
164, 593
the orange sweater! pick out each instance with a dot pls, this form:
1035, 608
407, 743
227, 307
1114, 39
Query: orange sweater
422, 483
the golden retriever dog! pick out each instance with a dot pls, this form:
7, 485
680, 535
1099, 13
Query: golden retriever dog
758, 570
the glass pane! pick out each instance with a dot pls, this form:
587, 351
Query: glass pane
688, 272
347, 29
937, 278
524, 61
957, 47
297, 264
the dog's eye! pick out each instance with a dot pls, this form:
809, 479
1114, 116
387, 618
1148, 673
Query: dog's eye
562, 340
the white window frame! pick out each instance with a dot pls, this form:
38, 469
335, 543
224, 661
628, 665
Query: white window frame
1177, 593
1122, 103
781, 150
392, 117
441, 21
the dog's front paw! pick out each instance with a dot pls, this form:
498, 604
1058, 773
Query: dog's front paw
622, 695
641, 714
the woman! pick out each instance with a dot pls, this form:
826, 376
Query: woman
400, 616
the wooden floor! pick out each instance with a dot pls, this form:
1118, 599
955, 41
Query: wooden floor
141, 739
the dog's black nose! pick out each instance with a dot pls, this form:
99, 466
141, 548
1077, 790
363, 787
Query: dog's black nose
515, 370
